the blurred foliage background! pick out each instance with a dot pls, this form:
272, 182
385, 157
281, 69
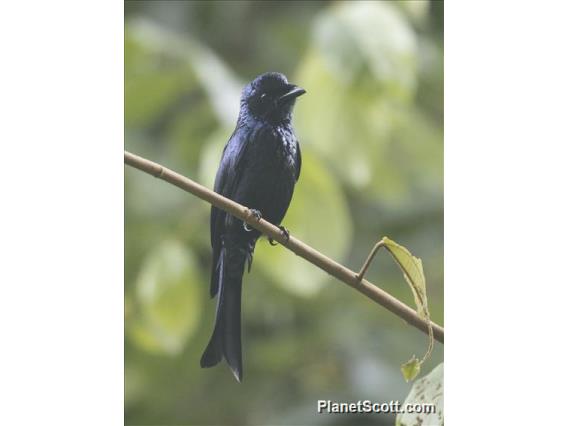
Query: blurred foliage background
371, 132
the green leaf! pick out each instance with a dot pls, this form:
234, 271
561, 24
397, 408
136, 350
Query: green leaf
200, 63
427, 390
150, 92
360, 71
168, 292
410, 369
368, 39
417, 11
413, 274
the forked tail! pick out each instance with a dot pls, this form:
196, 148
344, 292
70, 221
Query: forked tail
226, 339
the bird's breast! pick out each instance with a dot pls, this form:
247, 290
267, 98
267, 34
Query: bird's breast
274, 152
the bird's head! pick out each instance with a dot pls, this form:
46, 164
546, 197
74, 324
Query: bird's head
269, 97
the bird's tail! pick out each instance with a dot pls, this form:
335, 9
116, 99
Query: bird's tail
226, 339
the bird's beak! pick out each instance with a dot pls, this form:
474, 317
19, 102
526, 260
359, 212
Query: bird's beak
292, 93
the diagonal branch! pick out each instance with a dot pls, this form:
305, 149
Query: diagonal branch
313, 256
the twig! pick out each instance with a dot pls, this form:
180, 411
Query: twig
367, 263
303, 250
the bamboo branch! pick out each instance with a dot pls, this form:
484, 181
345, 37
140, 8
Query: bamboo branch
313, 256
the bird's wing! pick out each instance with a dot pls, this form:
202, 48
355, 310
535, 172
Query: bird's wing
298, 160
226, 181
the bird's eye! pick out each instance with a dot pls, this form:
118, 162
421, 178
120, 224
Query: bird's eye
263, 97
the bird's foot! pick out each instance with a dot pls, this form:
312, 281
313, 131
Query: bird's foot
285, 234
253, 212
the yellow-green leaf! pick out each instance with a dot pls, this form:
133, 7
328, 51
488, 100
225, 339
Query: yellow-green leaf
168, 293
410, 369
413, 274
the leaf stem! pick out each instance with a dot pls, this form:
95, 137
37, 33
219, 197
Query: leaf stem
367, 263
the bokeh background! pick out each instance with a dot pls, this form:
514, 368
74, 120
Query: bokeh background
371, 132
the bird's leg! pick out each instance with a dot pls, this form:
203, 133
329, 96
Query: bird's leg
285, 234
253, 212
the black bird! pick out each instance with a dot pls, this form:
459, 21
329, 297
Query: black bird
259, 168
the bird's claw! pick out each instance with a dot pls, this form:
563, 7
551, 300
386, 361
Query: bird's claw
253, 212
285, 234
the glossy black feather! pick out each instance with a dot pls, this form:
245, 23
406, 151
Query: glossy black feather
259, 168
